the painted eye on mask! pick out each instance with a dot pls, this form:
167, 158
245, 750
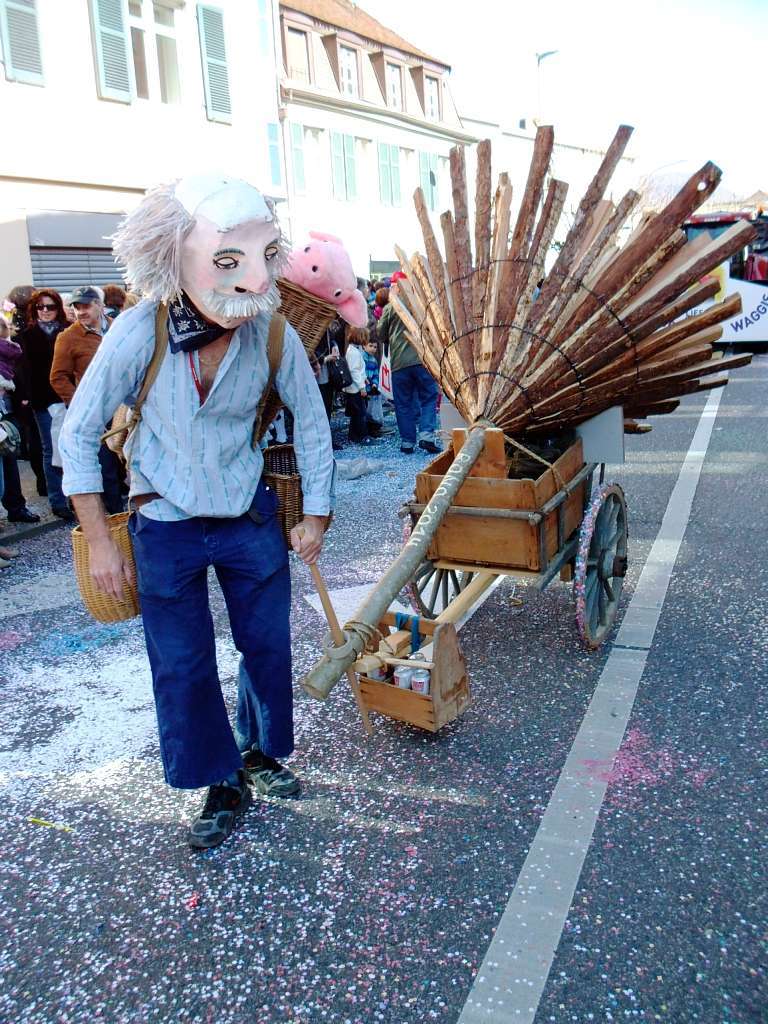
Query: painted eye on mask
226, 259
270, 252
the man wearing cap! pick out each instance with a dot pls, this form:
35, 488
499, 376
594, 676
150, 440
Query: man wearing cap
413, 387
72, 354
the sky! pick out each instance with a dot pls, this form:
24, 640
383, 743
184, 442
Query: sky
691, 77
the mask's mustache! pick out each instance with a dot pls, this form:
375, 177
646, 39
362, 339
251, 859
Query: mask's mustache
235, 307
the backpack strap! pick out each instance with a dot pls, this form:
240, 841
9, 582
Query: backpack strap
150, 375
275, 341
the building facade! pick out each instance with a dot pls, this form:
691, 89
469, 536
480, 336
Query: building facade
367, 117
103, 98
326, 109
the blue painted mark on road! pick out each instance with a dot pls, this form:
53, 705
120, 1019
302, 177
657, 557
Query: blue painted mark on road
57, 644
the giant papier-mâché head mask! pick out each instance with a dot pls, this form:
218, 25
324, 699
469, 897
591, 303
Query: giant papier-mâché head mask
211, 236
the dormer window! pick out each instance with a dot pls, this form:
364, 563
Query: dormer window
297, 55
349, 72
394, 80
432, 98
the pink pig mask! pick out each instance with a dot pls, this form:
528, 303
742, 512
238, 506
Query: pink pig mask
324, 269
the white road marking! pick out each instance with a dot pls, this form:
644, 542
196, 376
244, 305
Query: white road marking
512, 976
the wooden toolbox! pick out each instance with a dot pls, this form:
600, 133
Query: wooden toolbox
493, 540
449, 693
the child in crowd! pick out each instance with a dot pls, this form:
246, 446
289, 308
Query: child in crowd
356, 338
374, 409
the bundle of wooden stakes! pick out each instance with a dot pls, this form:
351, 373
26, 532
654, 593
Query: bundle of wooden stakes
532, 351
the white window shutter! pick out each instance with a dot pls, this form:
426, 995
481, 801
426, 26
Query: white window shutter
21, 42
112, 50
213, 52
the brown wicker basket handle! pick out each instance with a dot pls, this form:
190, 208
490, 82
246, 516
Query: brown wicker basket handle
161, 347
275, 340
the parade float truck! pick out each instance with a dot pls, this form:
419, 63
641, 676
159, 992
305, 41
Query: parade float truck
745, 273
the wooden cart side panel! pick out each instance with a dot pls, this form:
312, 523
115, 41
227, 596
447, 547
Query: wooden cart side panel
565, 469
482, 492
485, 540
574, 511
490, 492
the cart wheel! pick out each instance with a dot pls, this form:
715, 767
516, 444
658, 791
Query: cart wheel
432, 589
601, 564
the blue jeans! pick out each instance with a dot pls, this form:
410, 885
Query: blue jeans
53, 474
197, 744
415, 397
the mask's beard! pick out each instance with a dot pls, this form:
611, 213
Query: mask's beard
240, 307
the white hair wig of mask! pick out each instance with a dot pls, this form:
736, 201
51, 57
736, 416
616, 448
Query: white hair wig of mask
148, 244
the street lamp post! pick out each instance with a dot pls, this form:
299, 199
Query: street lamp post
539, 58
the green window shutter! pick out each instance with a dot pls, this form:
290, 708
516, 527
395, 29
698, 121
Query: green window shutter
112, 50
297, 152
385, 179
273, 138
349, 166
424, 175
213, 52
21, 42
337, 166
428, 178
394, 170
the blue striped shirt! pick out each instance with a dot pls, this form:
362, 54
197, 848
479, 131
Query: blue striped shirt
198, 457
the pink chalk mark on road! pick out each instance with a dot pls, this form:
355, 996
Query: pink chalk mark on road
637, 765
10, 640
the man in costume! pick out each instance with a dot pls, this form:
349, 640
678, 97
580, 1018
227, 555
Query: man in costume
211, 249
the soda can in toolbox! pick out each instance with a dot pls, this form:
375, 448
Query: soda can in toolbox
403, 677
420, 681
381, 674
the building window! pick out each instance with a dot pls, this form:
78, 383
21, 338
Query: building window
394, 79
432, 98
20, 39
349, 74
343, 166
428, 178
297, 158
155, 57
213, 55
273, 142
265, 35
389, 174
297, 55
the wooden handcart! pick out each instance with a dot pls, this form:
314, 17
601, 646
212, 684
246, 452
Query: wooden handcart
532, 353
535, 529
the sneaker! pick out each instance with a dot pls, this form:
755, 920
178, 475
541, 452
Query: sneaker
430, 446
406, 449
268, 776
216, 820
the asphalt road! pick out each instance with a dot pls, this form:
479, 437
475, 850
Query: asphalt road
374, 896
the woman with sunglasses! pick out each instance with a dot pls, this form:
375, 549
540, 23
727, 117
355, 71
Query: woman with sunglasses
45, 320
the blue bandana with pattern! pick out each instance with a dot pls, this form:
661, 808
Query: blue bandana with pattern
188, 330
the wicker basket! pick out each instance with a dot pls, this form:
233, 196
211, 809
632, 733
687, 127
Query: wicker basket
102, 606
309, 316
282, 475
